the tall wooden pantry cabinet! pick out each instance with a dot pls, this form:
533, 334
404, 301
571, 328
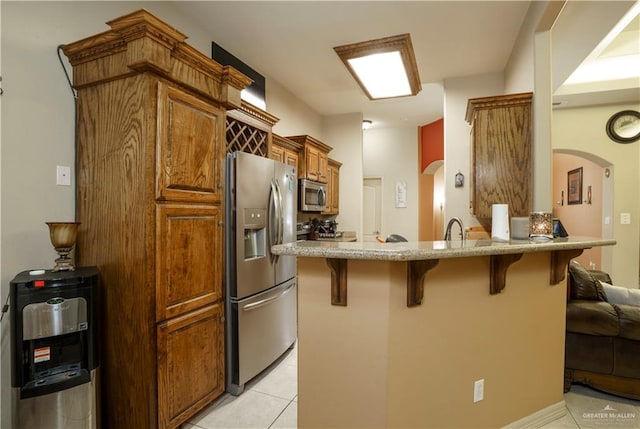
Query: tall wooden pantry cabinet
150, 158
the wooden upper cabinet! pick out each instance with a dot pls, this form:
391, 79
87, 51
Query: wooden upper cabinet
314, 163
500, 154
285, 150
323, 167
276, 153
333, 188
190, 146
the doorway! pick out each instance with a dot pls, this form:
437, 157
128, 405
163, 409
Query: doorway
372, 213
592, 214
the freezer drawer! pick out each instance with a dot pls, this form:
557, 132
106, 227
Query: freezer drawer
262, 328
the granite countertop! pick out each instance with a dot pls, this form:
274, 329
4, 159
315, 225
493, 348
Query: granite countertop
344, 236
421, 250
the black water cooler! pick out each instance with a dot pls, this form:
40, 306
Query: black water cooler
54, 348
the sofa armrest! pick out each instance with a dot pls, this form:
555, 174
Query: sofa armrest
629, 317
601, 276
592, 318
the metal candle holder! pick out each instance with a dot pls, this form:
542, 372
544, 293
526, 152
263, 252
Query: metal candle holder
63, 238
541, 225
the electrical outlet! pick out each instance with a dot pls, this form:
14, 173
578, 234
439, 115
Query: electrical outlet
478, 390
63, 175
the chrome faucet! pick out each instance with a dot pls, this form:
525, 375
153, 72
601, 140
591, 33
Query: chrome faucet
447, 234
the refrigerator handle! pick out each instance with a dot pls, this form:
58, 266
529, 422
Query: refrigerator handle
280, 215
270, 223
274, 221
266, 301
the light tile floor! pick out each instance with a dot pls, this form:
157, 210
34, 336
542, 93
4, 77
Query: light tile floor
270, 402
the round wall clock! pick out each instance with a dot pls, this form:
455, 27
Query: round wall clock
624, 126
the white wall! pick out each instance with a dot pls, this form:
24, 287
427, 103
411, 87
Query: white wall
296, 118
518, 73
577, 32
529, 70
344, 134
583, 130
391, 153
579, 29
457, 139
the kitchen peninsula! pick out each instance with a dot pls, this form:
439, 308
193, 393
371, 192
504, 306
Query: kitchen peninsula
396, 334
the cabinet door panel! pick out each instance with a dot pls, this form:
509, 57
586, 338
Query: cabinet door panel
189, 258
312, 159
334, 179
290, 158
190, 139
277, 153
501, 154
323, 167
190, 364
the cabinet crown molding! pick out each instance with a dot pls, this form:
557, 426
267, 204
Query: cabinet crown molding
256, 113
287, 143
306, 139
140, 41
496, 101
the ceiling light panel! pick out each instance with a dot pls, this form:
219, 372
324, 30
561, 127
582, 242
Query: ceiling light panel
384, 68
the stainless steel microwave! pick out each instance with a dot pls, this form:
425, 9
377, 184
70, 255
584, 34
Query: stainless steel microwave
313, 196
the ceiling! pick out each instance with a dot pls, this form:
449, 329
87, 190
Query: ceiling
292, 43
604, 90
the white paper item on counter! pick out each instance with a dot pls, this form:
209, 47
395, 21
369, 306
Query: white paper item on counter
500, 222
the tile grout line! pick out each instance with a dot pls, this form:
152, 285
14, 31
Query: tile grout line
572, 416
278, 416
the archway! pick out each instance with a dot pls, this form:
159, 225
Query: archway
592, 213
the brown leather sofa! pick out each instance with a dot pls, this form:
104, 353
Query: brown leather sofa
602, 347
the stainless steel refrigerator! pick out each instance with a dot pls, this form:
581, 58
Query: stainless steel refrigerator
261, 303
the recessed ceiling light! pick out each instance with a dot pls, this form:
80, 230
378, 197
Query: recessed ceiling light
384, 68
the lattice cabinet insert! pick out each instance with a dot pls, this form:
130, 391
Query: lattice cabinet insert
248, 129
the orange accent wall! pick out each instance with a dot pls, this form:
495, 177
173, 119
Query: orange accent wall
432, 141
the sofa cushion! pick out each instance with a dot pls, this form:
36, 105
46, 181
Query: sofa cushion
589, 353
625, 360
629, 319
621, 295
592, 318
583, 285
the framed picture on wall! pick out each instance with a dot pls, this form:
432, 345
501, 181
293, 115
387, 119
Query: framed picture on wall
574, 186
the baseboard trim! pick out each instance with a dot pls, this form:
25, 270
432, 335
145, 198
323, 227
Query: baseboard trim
541, 417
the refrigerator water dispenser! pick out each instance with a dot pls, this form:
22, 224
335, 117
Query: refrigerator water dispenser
254, 233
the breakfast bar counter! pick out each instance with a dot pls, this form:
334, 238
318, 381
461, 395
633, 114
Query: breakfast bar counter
398, 334
419, 250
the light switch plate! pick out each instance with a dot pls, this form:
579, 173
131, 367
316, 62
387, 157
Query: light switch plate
625, 218
63, 175
478, 390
